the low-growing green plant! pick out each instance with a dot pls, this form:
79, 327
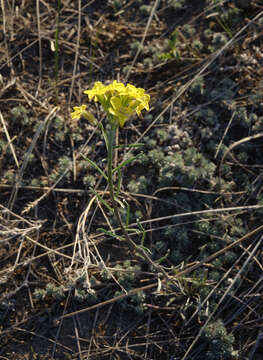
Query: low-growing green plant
78, 289
116, 4
207, 116
172, 51
89, 180
177, 5
53, 291
219, 40
139, 185
126, 273
145, 10
64, 163
219, 342
20, 113
9, 177
135, 46
134, 304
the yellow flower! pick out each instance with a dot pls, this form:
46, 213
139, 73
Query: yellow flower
119, 101
119, 110
80, 111
98, 90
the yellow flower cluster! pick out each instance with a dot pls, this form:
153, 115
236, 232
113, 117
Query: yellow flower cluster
119, 101
80, 111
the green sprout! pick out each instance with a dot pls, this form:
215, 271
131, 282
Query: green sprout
173, 52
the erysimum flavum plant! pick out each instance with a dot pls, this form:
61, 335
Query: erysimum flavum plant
119, 101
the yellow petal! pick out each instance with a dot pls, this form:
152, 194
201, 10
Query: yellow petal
118, 100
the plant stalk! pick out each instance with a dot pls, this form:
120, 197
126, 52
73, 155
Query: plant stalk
130, 242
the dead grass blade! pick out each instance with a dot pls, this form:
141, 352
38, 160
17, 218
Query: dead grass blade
9, 140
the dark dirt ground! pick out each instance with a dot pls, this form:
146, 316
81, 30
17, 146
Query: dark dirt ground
201, 62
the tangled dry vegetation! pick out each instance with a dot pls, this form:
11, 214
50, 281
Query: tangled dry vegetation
70, 290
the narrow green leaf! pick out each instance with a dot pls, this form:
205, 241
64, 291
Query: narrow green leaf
133, 230
105, 136
144, 248
124, 163
110, 233
142, 232
128, 146
127, 216
96, 167
159, 261
103, 201
119, 202
118, 184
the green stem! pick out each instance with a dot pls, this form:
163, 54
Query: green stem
111, 141
130, 242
